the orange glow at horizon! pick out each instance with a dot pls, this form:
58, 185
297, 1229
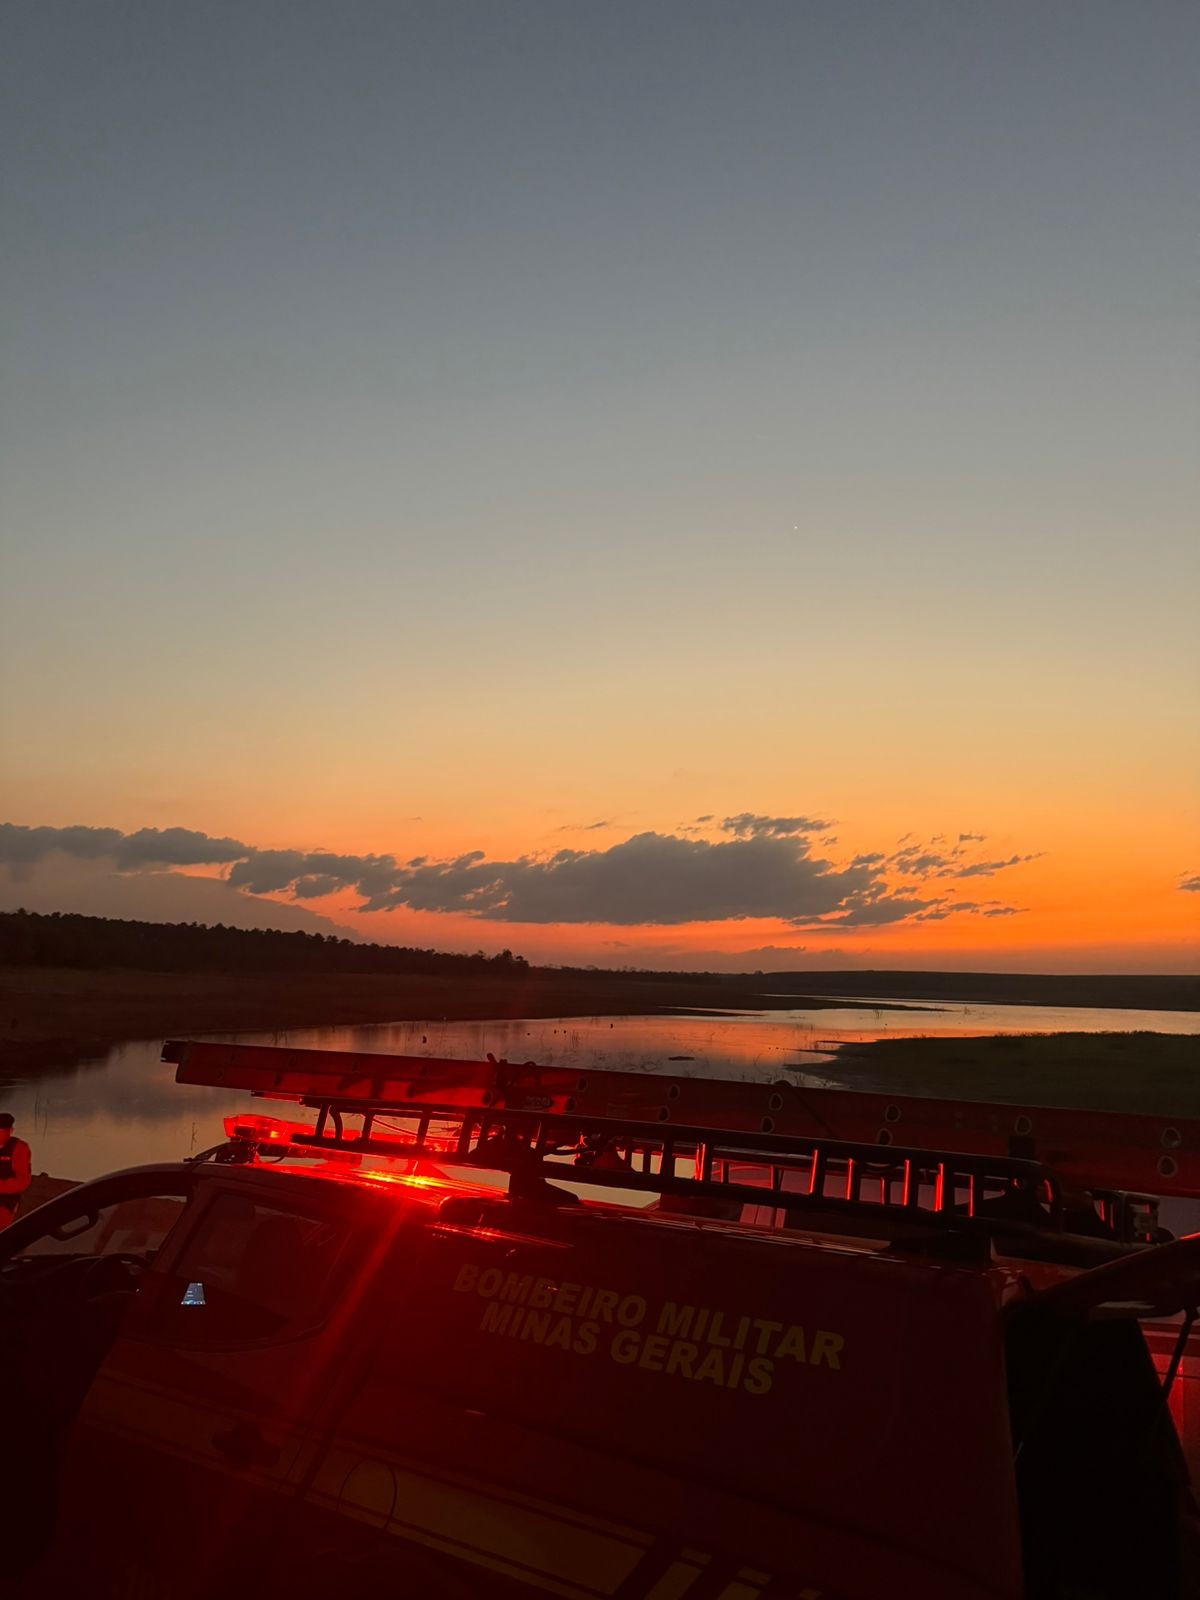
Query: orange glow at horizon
1064, 906
1096, 896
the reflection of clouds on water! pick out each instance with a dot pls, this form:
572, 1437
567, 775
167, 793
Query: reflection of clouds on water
84, 1118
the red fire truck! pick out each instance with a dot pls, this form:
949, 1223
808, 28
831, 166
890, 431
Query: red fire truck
477, 1329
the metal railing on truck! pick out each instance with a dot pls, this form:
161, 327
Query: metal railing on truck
739, 1142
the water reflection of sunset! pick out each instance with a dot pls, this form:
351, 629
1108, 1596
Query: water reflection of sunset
125, 1108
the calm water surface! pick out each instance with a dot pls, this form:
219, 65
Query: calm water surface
125, 1108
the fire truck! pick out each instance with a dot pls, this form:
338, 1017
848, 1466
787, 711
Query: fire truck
478, 1330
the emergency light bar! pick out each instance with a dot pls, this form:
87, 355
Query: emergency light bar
1090, 1150
270, 1133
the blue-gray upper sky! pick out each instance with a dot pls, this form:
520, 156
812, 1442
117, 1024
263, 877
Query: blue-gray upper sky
386, 376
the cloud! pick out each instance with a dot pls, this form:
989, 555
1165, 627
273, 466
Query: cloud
315, 886
304, 874
276, 871
874, 912
984, 869
21, 847
766, 958
651, 878
582, 827
971, 838
748, 825
1190, 882
174, 847
95, 889
922, 864
767, 869
148, 847
951, 908
925, 860
788, 950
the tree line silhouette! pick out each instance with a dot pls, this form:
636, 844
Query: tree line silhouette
67, 939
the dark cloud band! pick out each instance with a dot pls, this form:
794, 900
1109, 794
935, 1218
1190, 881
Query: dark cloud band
764, 867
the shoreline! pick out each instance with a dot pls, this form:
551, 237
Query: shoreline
54, 1016
50, 1015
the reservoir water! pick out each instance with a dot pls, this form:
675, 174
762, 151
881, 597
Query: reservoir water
124, 1108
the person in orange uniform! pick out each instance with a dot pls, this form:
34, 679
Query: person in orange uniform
14, 1169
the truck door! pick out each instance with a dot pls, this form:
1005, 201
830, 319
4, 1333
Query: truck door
563, 1404
70, 1274
1106, 1505
196, 1418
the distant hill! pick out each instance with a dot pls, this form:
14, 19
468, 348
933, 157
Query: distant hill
1151, 992
69, 940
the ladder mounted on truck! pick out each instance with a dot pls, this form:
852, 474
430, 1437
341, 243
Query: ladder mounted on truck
962, 1166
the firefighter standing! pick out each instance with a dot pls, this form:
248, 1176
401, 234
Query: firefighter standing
14, 1169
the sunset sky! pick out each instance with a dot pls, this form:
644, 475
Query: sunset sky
685, 484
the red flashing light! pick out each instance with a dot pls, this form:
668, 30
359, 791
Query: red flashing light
263, 1130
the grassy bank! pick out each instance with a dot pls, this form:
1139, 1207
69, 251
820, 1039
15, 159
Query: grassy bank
1103, 1071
